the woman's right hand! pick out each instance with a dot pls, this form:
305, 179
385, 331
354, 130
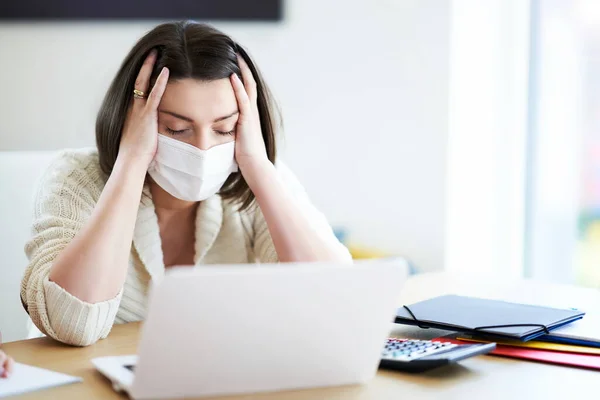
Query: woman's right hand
140, 133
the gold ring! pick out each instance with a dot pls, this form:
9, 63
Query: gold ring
138, 94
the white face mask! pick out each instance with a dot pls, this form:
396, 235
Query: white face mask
191, 174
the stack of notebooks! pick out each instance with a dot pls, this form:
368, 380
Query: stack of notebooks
522, 331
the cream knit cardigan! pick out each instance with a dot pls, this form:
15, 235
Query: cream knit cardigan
66, 196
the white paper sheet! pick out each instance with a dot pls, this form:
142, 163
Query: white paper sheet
26, 378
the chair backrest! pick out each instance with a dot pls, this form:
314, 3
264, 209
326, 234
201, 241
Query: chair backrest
19, 175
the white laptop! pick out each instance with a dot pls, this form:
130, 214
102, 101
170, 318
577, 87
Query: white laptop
226, 330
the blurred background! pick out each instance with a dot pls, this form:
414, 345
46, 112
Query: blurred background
462, 135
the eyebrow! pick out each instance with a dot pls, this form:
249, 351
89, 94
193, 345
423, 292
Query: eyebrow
226, 116
188, 119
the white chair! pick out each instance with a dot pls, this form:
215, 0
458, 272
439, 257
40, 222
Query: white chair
19, 175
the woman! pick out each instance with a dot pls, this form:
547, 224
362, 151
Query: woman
184, 174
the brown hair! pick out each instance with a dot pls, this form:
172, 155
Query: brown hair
189, 50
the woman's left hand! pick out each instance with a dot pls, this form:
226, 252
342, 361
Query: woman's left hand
250, 151
6, 365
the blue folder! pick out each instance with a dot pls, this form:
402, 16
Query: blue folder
493, 318
575, 342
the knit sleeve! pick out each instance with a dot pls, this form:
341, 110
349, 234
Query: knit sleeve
263, 243
65, 199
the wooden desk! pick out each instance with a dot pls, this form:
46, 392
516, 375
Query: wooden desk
480, 377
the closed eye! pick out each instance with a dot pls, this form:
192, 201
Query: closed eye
173, 132
231, 132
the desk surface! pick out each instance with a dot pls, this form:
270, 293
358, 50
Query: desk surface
484, 376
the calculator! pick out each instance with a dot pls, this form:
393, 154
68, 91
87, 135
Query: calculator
422, 355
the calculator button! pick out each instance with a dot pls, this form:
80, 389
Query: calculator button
406, 350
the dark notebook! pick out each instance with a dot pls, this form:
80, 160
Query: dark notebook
486, 317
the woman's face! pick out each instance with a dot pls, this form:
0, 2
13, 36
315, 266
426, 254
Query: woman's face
201, 113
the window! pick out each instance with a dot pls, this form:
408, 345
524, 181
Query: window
563, 219
524, 140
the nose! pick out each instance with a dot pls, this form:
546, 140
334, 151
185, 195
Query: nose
205, 140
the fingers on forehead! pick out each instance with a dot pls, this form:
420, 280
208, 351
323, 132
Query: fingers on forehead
142, 81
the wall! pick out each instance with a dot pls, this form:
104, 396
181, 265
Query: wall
363, 85
558, 153
488, 136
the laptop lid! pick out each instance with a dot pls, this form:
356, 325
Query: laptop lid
244, 329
